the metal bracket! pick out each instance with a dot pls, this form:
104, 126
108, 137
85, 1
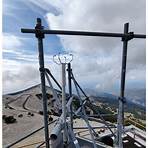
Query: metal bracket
128, 36
42, 69
123, 99
38, 29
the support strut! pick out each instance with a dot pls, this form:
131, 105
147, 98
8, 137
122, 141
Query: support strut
122, 89
70, 92
40, 37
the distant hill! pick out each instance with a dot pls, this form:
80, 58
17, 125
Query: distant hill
109, 100
31, 97
136, 96
30, 88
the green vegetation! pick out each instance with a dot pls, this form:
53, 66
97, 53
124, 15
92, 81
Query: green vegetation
50, 119
48, 96
40, 112
76, 103
9, 119
20, 115
111, 105
137, 123
30, 114
112, 119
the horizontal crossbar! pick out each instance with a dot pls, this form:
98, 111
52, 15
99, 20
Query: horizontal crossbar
82, 33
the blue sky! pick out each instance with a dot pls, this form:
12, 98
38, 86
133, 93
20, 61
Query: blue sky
22, 48
17, 14
97, 61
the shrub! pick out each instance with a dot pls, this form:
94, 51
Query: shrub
49, 113
48, 96
40, 112
32, 114
9, 119
4, 116
20, 115
10, 107
76, 103
50, 119
29, 113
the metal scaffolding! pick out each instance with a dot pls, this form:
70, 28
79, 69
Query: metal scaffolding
39, 32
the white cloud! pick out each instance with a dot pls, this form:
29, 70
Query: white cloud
18, 75
97, 61
10, 42
21, 71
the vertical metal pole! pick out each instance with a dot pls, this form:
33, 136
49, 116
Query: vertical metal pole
69, 79
121, 99
70, 92
64, 101
42, 75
